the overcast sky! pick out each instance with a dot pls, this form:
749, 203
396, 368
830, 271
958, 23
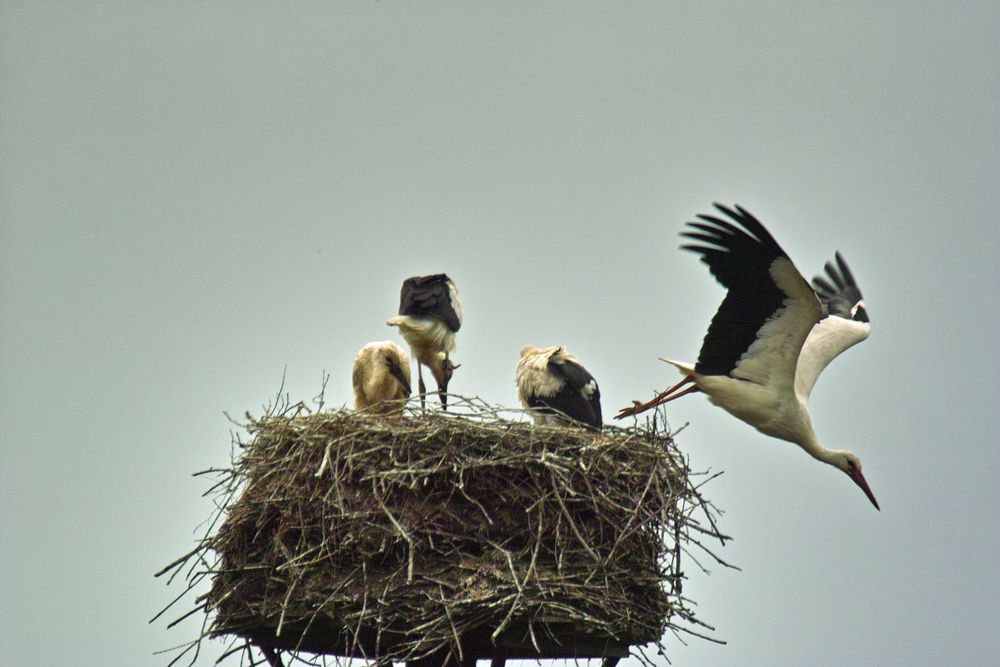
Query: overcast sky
195, 197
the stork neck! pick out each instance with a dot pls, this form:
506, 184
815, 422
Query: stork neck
817, 451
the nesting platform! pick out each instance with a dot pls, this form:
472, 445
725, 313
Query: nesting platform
442, 538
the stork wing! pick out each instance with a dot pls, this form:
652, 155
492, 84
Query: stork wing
580, 397
840, 294
845, 325
431, 296
769, 308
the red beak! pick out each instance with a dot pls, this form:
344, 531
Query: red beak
859, 479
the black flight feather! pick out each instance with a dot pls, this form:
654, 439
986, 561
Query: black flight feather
840, 294
739, 254
429, 296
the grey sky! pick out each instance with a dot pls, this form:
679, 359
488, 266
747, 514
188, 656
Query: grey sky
194, 197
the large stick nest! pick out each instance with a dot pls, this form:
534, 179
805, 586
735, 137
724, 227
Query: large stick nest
398, 537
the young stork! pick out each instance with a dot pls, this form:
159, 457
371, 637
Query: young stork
771, 337
381, 373
430, 315
557, 389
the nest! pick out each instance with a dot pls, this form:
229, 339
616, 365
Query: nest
446, 535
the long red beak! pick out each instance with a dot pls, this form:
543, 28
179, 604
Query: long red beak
859, 479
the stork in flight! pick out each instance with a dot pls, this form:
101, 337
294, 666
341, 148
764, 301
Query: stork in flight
381, 374
430, 315
771, 337
555, 386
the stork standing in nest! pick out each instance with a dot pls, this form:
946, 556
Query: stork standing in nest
771, 337
555, 386
430, 315
381, 375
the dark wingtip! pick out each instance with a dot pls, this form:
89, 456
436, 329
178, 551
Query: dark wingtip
727, 210
845, 270
821, 285
835, 276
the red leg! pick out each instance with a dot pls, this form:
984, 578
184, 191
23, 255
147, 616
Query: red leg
638, 407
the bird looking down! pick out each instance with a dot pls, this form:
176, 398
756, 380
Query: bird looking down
772, 335
555, 386
430, 315
381, 374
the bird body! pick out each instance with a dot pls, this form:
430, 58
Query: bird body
381, 374
429, 339
430, 314
772, 335
555, 386
762, 406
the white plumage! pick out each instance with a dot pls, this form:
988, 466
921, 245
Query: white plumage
771, 337
381, 375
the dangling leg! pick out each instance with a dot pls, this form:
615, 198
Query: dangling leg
420, 384
664, 397
443, 393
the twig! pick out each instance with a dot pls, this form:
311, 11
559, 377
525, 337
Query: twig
524, 525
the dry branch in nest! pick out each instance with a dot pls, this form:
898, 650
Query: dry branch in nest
447, 535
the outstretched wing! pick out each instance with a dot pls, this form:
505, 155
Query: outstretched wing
845, 325
769, 308
433, 297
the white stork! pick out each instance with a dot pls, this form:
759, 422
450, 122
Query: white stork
771, 337
557, 389
381, 373
430, 315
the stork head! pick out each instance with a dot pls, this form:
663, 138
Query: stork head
851, 465
442, 369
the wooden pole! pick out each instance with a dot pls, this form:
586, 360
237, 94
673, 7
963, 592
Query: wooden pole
271, 656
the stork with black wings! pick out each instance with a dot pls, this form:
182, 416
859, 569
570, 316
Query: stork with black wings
771, 337
430, 315
555, 386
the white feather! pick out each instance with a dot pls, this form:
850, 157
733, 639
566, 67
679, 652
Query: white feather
827, 339
428, 337
373, 382
771, 359
533, 377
